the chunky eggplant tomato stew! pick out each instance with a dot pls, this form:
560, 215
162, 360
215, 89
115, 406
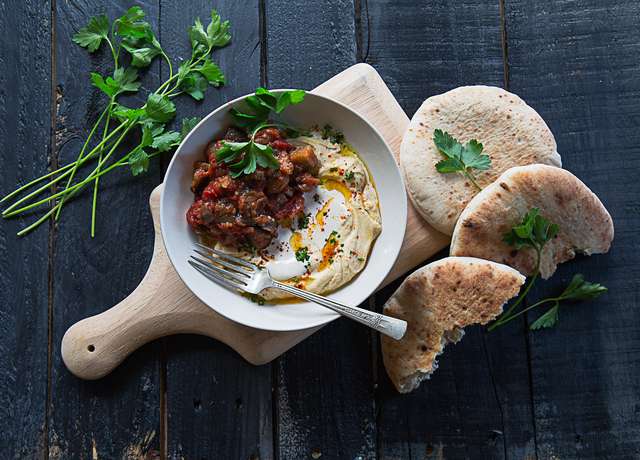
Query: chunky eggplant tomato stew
246, 211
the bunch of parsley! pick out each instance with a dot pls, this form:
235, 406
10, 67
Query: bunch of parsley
129, 35
534, 232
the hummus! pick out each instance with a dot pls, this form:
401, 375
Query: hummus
327, 247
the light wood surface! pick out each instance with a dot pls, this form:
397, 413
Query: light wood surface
162, 305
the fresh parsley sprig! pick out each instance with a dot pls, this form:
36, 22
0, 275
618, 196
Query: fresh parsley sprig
128, 35
535, 232
578, 289
244, 157
460, 158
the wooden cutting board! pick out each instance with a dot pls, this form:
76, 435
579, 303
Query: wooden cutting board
162, 305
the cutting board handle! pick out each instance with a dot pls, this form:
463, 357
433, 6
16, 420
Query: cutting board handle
161, 306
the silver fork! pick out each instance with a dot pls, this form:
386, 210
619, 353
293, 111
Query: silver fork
236, 273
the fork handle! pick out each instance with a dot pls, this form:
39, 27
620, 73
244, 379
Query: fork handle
387, 325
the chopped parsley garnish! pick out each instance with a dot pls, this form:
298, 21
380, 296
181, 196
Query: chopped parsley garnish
460, 158
335, 136
303, 221
302, 254
349, 175
256, 299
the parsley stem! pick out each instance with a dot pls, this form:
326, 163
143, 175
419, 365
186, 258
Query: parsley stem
537, 304
35, 181
166, 58
80, 155
97, 181
506, 316
88, 179
88, 156
113, 53
190, 66
472, 180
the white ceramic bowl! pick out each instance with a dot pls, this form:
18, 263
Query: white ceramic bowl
179, 239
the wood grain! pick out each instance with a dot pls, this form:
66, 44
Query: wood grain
323, 387
576, 62
209, 387
91, 274
475, 409
25, 123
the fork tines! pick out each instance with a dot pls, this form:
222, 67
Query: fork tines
222, 268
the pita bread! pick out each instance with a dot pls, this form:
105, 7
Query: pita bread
437, 301
513, 134
585, 225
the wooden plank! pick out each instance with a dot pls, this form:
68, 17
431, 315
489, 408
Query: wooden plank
577, 63
117, 416
323, 389
25, 122
477, 403
218, 405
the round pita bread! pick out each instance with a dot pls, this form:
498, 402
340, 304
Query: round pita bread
511, 132
437, 301
585, 226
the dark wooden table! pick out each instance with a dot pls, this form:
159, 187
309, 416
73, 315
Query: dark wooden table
570, 392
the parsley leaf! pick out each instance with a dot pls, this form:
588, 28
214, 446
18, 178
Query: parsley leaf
217, 31
137, 37
547, 320
194, 84
262, 103
302, 254
166, 141
534, 231
160, 108
244, 157
216, 36
211, 72
187, 125
288, 98
139, 162
91, 36
123, 80
578, 289
459, 158
124, 113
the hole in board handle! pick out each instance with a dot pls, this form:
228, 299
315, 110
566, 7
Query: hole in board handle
91, 348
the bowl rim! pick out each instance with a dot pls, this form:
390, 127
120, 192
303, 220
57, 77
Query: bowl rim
322, 319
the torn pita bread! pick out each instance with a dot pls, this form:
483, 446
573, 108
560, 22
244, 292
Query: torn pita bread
512, 133
585, 226
437, 301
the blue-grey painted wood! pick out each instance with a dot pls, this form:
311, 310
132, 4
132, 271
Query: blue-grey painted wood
577, 63
477, 404
25, 124
119, 415
323, 388
218, 405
